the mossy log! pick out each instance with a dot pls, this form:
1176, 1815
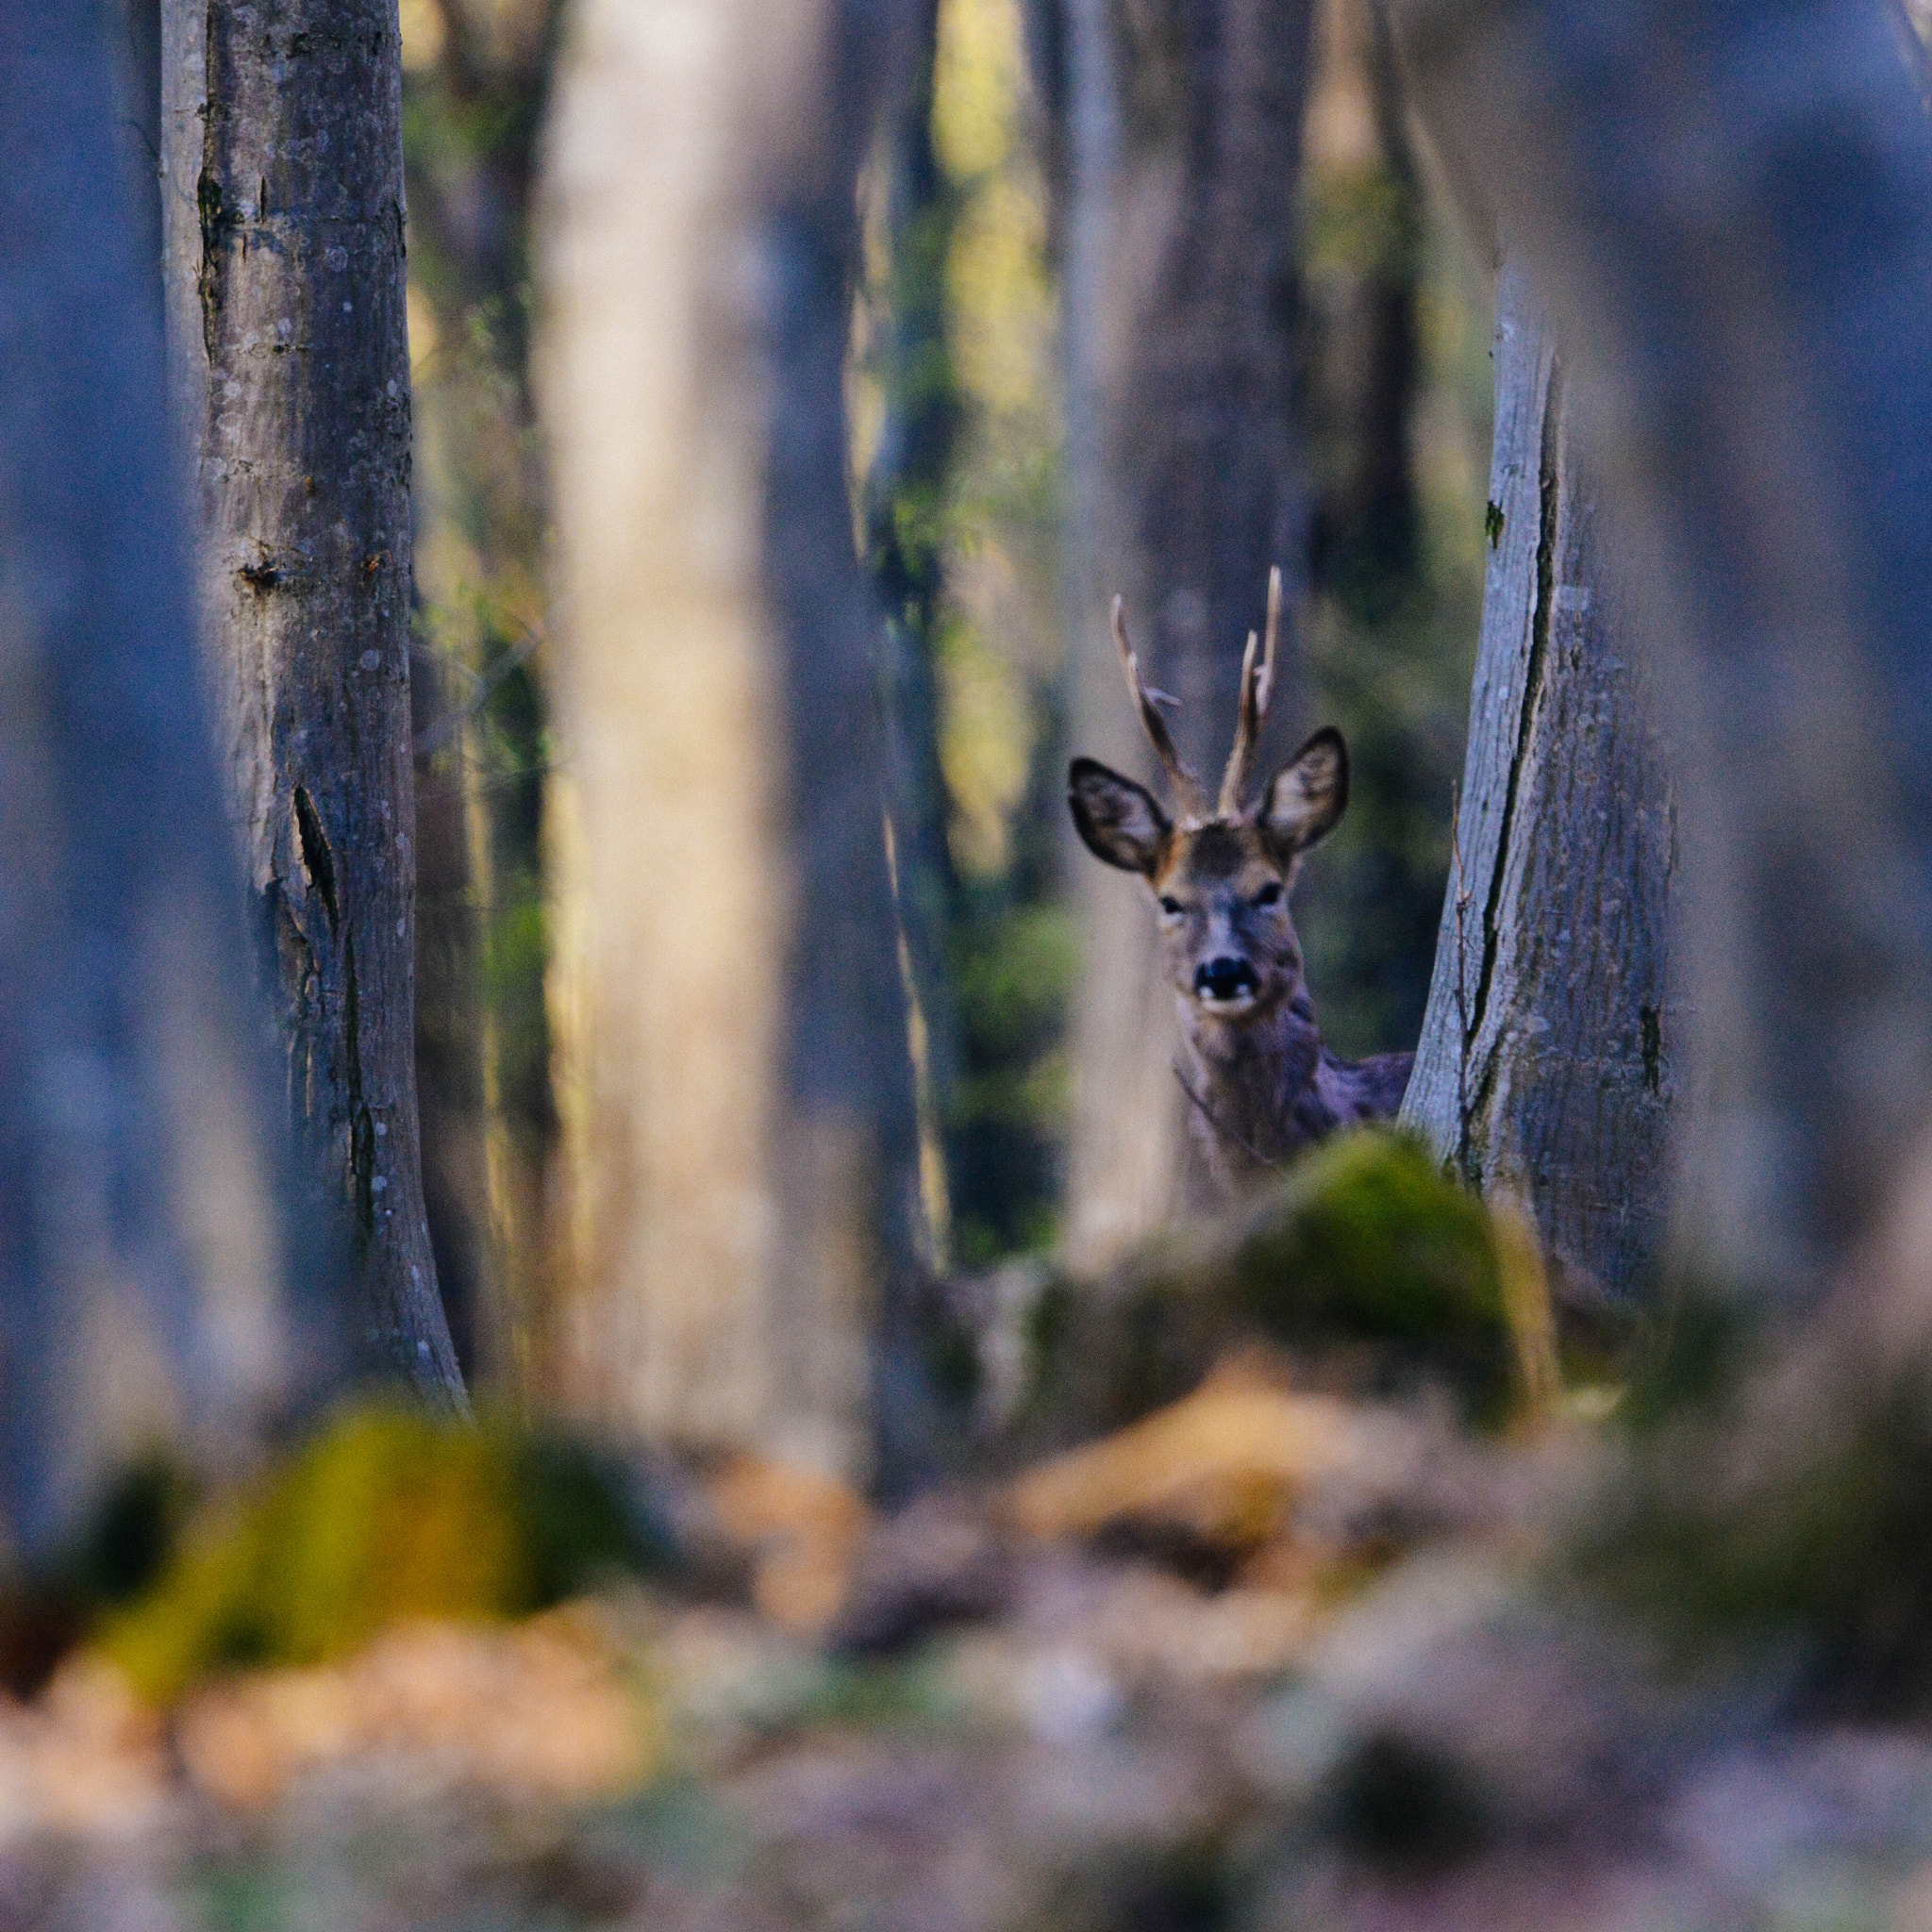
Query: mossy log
1364, 1264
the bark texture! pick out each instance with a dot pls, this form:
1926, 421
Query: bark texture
143, 1290
1184, 132
283, 213
1549, 1062
737, 1102
1763, 333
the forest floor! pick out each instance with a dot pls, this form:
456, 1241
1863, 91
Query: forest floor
1267, 1659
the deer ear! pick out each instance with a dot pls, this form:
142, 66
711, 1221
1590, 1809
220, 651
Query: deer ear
1117, 819
1308, 795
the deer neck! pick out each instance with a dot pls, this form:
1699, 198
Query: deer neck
1251, 1086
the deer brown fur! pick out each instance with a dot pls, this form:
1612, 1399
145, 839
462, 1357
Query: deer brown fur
1259, 1080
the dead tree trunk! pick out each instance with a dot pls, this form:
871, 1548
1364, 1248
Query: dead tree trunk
142, 1287
739, 1133
1549, 1058
283, 219
1763, 330
1183, 136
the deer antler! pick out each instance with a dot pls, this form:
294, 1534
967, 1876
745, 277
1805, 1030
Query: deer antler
1257, 687
1186, 787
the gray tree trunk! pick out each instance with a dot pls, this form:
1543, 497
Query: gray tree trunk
738, 1119
283, 219
1184, 127
143, 1286
1762, 332
1549, 1058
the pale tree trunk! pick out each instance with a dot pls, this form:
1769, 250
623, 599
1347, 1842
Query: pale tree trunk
142, 1287
1550, 1056
1183, 133
738, 1119
1762, 335
282, 199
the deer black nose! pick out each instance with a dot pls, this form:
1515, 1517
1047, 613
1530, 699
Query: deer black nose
1225, 979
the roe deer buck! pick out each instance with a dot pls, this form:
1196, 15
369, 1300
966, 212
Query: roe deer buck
1260, 1081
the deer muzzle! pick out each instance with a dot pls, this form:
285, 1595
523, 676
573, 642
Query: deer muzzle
1226, 982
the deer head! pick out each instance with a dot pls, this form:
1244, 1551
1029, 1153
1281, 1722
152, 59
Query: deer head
1220, 877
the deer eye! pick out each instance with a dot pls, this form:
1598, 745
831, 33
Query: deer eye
1270, 895
1170, 908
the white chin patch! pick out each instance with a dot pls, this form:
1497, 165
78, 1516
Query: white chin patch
1239, 1004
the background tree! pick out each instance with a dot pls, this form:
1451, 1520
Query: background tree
901, 344
142, 1285
1183, 129
1393, 402
1553, 1049
282, 203
738, 1108
476, 83
957, 437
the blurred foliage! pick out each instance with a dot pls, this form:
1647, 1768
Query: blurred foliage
475, 89
1395, 407
386, 1516
1769, 1505
122, 1545
957, 447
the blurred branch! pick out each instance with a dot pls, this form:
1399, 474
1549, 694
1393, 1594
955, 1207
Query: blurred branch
488, 684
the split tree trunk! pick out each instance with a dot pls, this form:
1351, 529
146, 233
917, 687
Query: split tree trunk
739, 1127
1184, 127
144, 1293
1763, 332
1549, 1059
283, 219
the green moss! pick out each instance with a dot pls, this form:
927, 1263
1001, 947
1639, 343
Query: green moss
1793, 1529
1367, 1239
387, 1515
1364, 1255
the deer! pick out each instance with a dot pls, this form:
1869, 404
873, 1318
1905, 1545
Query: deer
1260, 1083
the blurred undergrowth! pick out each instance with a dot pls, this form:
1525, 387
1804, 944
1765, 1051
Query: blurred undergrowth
1396, 398
385, 1517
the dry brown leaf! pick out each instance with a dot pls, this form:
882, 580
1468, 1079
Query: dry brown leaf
85, 1756
1227, 1462
804, 1530
542, 1709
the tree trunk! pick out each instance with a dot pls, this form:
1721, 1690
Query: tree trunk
1765, 354
903, 507
1184, 132
738, 1108
1549, 1059
143, 1288
283, 211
